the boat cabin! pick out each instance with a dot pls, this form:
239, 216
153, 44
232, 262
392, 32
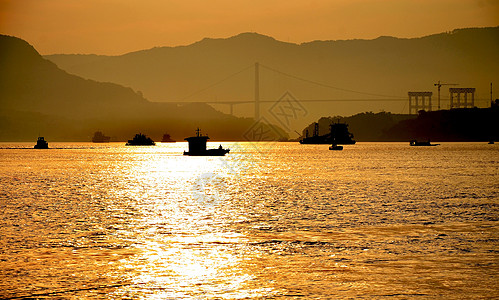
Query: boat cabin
197, 146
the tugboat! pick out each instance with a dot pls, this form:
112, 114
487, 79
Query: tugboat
167, 139
99, 137
338, 132
416, 143
197, 146
140, 140
41, 143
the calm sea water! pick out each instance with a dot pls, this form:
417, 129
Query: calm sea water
268, 220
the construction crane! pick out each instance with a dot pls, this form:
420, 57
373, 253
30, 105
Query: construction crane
438, 84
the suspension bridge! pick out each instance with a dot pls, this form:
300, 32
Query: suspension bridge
257, 101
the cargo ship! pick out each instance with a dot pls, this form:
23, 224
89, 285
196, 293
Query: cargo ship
338, 134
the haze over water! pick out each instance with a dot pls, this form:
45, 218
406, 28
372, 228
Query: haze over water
268, 220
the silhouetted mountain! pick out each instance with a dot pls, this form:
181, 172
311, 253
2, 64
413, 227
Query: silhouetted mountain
30, 83
36, 97
359, 68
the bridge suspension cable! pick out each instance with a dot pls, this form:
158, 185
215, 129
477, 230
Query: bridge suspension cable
325, 85
217, 83
384, 97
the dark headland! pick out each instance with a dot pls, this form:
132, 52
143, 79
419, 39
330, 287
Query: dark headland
455, 125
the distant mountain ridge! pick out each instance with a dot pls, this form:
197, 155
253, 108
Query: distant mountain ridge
383, 66
36, 97
30, 83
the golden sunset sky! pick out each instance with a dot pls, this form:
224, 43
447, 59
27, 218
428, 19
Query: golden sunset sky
115, 27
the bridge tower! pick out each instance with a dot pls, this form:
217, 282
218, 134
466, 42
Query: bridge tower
466, 101
419, 106
257, 91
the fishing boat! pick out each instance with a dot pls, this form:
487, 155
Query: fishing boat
140, 140
197, 146
41, 143
99, 137
427, 143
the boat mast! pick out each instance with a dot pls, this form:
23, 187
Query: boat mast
491, 94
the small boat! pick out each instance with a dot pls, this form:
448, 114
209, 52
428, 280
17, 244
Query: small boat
41, 143
335, 147
416, 143
99, 137
140, 140
491, 142
167, 139
197, 146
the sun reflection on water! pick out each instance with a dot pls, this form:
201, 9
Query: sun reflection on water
184, 247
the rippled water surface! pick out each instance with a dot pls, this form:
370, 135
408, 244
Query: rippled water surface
266, 221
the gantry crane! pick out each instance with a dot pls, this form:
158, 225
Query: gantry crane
438, 84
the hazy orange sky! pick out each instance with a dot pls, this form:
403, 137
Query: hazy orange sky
120, 26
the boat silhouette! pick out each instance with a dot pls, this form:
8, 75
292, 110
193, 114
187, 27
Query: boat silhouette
167, 139
197, 146
338, 132
99, 137
427, 143
140, 140
41, 143
335, 146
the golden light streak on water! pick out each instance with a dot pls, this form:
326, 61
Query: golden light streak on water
178, 208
